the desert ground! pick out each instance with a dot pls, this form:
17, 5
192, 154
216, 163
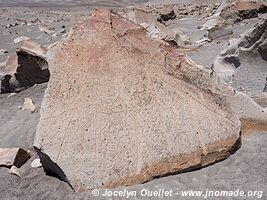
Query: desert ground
47, 22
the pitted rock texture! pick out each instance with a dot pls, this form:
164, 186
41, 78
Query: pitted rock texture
122, 108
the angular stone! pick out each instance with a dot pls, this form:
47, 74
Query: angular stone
27, 68
6, 71
167, 13
156, 29
29, 105
13, 156
15, 171
44, 28
122, 108
21, 39
36, 163
3, 51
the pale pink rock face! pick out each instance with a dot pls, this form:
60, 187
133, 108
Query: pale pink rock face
248, 4
122, 108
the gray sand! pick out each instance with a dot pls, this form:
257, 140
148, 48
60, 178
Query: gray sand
18, 126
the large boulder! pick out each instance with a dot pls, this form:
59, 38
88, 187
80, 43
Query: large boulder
122, 108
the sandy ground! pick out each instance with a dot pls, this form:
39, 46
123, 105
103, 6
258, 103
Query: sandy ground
18, 126
245, 170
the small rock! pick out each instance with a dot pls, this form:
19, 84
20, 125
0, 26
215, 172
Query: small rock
15, 171
44, 28
60, 32
39, 37
11, 25
21, 39
3, 51
183, 40
29, 105
11, 94
13, 156
167, 13
203, 41
36, 163
35, 20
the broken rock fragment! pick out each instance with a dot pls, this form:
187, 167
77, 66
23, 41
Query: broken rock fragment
134, 108
27, 68
36, 163
29, 105
13, 156
156, 29
3, 51
8, 69
44, 28
21, 39
15, 171
166, 13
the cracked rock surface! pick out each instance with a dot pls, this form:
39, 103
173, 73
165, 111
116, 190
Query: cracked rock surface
123, 95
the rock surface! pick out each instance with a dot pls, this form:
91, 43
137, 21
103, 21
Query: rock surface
15, 171
155, 27
29, 105
123, 95
36, 163
26, 69
243, 63
13, 156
